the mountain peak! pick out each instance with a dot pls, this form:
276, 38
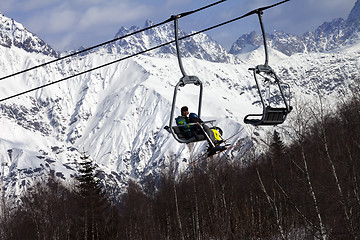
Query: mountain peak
15, 34
328, 36
200, 46
149, 23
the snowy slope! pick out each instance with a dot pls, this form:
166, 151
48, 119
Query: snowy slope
117, 114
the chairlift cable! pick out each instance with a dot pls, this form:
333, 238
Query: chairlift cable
130, 56
110, 41
234, 19
197, 10
86, 71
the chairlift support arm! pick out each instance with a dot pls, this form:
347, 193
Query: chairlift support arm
260, 13
176, 26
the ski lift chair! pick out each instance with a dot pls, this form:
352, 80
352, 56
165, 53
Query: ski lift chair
271, 115
185, 80
176, 130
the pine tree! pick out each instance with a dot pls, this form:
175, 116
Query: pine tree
89, 184
93, 200
277, 146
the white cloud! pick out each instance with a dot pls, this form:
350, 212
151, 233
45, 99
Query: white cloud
54, 20
111, 14
63, 42
64, 22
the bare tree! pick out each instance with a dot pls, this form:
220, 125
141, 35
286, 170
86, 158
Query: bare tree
273, 206
322, 228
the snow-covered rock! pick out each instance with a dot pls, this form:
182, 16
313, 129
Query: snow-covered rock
200, 46
15, 34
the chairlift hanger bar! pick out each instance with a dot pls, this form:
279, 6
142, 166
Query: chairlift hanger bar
176, 26
259, 12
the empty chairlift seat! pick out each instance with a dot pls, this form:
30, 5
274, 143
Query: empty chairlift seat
270, 116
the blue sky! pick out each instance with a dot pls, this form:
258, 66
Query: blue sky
69, 24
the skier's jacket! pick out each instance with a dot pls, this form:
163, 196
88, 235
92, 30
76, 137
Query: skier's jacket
185, 130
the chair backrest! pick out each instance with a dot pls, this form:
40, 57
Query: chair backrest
274, 116
179, 134
271, 116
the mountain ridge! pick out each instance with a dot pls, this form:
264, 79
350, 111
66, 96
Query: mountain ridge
328, 36
15, 34
200, 46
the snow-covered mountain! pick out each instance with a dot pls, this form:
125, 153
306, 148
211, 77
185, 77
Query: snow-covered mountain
117, 114
328, 36
200, 46
15, 34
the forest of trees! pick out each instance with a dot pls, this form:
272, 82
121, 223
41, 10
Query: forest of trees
307, 189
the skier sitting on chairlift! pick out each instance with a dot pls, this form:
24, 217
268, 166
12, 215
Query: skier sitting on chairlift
199, 130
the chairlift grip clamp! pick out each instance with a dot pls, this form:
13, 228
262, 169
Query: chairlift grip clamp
189, 80
174, 17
